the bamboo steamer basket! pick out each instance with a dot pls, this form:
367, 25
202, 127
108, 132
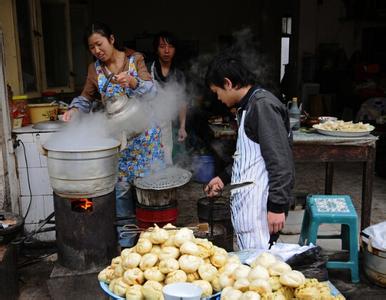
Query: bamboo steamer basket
43, 112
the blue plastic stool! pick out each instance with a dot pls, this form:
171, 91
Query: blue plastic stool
333, 209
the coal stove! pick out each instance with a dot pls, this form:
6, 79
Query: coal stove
85, 232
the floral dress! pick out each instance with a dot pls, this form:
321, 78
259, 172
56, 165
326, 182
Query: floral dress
143, 153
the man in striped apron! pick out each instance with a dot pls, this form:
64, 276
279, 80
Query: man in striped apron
263, 154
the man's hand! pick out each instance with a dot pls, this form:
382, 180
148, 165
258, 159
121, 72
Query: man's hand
182, 134
214, 187
275, 222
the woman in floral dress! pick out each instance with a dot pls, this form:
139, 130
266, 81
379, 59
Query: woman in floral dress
131, 77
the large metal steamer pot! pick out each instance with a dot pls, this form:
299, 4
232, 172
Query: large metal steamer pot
85, 173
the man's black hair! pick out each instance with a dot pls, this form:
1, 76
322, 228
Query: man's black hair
231, 67
167, 36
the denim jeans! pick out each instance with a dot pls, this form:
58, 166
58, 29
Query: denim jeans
125, 209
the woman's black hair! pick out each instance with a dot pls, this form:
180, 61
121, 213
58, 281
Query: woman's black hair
231, 67
168, 37
104, 30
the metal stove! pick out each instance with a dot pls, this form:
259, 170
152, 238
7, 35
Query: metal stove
85, 233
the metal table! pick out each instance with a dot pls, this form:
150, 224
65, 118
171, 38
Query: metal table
313, 147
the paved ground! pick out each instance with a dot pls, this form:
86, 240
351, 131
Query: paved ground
309, 179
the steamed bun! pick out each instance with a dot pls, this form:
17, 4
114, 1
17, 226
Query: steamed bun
176, 276
265, 259
292, 278
278, 268
206, 287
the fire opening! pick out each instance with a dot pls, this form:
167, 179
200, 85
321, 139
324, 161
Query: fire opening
82, 205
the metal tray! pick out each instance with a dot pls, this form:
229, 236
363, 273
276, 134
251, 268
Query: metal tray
343, 133
164, 179
105, 288
340, 133
49, 125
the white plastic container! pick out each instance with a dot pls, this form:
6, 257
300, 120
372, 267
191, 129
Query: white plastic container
182, 291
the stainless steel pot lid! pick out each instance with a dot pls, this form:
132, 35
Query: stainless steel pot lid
49, 125
168, 178
91, 145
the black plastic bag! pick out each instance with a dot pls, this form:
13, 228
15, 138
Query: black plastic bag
311, 263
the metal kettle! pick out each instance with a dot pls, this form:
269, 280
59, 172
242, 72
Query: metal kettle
124, 113
127, 115
121, 107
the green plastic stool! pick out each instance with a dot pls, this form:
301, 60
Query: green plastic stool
333, 209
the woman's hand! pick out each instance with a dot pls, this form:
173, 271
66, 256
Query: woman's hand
182, 135
68, 114
214, 187
125, 80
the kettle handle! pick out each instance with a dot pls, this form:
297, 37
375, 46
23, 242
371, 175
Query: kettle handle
109, 77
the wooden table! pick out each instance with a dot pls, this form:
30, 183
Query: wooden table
313, 147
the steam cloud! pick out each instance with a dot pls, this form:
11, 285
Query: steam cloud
86, 131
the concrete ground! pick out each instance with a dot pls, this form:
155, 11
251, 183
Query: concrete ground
347, 180
309, 179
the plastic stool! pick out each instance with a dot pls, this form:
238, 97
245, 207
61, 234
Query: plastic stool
333, 209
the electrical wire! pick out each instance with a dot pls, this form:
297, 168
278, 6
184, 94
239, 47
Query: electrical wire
34, 259
28, 181
27, 238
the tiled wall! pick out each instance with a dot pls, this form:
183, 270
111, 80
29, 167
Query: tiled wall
42, 203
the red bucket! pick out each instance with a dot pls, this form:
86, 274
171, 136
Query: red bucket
161, 215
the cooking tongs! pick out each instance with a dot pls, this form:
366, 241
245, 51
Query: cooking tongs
227, 188
233, 186
129, 229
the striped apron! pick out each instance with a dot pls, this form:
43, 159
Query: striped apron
249, 204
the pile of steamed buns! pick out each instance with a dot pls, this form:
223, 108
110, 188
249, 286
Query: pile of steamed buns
166, 255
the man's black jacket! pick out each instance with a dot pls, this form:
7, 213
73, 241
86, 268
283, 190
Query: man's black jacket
267, 123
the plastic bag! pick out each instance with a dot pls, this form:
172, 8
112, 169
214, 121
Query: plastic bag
311, 263
377, 235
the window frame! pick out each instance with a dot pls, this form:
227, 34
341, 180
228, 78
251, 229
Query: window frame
36, 31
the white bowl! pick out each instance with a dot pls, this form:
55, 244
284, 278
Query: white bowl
182, 291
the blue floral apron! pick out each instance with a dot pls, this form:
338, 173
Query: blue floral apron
143, 153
